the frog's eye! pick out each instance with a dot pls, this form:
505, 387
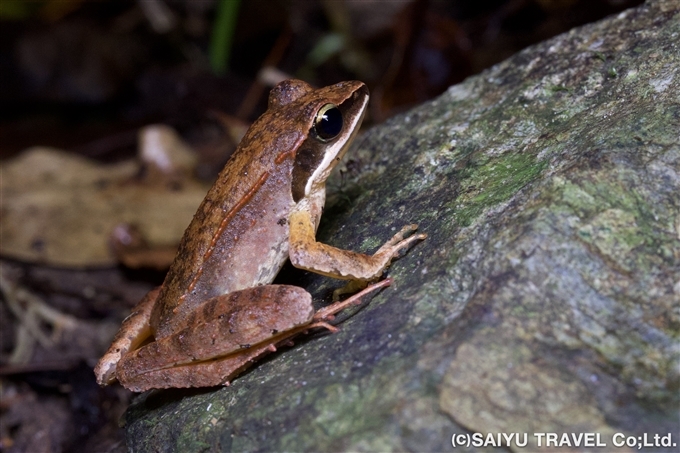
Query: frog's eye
328, 122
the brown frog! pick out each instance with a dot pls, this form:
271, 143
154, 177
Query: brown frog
217, 310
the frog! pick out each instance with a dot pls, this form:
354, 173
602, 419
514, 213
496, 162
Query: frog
217, 311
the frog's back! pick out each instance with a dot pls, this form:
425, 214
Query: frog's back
238, 237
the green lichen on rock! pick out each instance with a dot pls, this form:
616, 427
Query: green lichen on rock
547, 295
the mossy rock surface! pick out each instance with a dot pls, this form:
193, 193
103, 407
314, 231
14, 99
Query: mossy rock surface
546, 297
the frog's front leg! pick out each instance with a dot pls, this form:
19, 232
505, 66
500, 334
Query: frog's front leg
226, 334
306, 253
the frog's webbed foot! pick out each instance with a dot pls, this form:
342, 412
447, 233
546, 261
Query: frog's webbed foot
134, 331
331, 310
390, 249
399, 237
351, 287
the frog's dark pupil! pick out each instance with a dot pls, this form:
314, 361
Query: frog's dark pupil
328, 122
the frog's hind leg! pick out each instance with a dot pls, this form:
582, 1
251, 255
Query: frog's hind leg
210, 373
229, 334
225, 336
202, 374
134, 331
328, 312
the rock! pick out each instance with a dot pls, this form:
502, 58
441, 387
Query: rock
546, 297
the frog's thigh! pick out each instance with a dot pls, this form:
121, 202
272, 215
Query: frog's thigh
306, 253
225, 333
203, 374
133, 332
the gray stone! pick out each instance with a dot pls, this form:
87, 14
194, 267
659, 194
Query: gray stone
546, 297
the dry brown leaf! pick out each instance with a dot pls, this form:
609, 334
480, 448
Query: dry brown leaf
61, 209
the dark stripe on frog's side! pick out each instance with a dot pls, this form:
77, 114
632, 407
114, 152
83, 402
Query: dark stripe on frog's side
307, 159
312, 151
